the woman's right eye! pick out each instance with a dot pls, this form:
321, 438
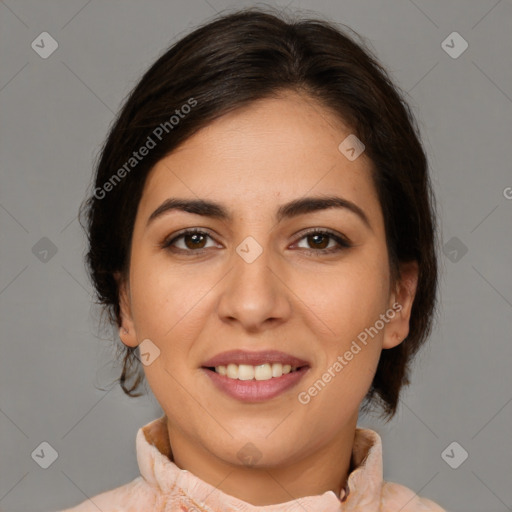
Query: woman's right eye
192, 240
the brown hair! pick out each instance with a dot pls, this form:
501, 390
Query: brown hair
228, 63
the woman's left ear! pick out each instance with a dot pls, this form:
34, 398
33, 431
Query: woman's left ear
401, 302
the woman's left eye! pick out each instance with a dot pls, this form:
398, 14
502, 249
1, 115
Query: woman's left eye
319, 241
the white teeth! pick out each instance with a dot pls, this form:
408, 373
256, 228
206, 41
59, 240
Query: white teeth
264, 371
277, 370
232, 371
245, 372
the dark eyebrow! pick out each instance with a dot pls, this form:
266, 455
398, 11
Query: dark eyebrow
292, 209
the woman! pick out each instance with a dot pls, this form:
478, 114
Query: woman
262, 233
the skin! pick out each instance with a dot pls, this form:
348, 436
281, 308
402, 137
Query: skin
307, 304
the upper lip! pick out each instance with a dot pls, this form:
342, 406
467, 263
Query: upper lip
253, 358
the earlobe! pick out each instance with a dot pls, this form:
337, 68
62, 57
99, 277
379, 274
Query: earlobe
127, 332
401, 302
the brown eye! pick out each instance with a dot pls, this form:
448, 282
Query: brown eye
322, 242
194, 241
318, 241
190, 240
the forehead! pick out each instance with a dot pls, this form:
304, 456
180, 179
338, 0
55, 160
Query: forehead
275, 149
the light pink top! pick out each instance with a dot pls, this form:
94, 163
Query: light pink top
164, 487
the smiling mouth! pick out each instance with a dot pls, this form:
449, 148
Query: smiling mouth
246, 372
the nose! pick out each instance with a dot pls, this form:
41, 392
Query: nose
254, 293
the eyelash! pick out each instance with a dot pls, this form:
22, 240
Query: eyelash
343, 242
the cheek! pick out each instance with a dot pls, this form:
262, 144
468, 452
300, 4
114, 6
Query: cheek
348, 303
166, 297
347, 300
170, 307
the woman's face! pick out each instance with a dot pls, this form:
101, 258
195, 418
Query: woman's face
261, 280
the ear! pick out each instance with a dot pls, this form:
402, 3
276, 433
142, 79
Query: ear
127, 329
401, 301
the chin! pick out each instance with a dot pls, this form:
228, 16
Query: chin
252, 451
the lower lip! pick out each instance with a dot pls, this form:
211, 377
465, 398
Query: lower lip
256, 390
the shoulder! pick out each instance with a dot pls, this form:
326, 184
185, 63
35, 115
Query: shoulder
134, 496
398, 497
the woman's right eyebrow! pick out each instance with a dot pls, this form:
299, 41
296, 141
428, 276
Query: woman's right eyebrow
288, 210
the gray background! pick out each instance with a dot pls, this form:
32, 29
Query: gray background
55, 114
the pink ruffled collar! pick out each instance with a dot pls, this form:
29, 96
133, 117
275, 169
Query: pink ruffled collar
363, 489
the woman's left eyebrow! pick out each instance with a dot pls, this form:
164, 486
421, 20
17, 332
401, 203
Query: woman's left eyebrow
294, 208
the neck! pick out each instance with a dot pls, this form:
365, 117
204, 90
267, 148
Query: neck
325, 468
